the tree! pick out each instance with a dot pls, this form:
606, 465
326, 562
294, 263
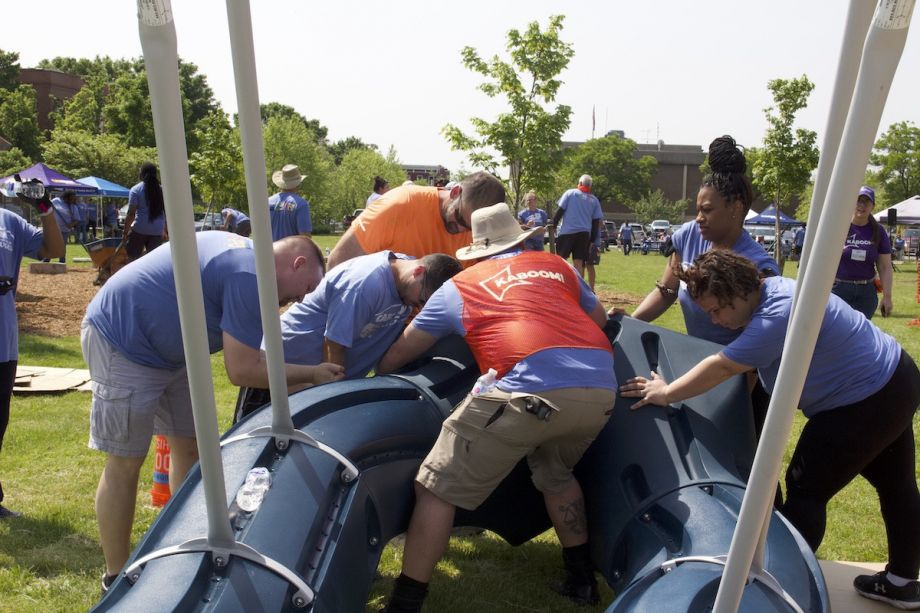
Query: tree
127, 110
9, 70
528, 138
19, 121
783, 166
13, 160
897, 156
79, 113
289, 141
217, 165
339, 148
78, 154
276, 109
619, 174
654, 205
354, 178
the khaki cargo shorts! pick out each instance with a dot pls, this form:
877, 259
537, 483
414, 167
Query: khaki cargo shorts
486, 436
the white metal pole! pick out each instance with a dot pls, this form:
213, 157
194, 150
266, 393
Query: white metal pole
247, 96
879, 62
859, 16
158, 40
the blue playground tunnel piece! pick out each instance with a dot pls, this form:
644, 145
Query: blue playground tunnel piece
663, 488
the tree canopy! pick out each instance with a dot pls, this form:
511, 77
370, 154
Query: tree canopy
355, 177
527, 138
896, 155
619, 174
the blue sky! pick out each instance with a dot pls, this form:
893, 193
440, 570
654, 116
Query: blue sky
390, 72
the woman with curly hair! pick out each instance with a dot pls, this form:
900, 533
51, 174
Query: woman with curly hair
860, 396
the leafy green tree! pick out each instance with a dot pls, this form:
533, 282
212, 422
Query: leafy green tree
654, 205
217, 165
897, 156
619, 174
79, 113
13, 160
354, 178
9, 70
277, 110
528, 137
127, 110
19, 120
289, 141
79, 153
783, 166
339, 148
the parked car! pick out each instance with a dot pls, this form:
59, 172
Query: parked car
638, 233
611, 228
352, 217
659, 225
122, 214
209, 221
911, 238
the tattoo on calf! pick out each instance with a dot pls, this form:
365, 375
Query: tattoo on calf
574, 517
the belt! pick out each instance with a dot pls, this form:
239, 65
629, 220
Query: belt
854, 281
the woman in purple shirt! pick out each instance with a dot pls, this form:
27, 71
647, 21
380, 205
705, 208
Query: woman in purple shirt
867, 249
860, 397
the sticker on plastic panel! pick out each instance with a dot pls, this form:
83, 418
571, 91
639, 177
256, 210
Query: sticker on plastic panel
893, 14
154, 12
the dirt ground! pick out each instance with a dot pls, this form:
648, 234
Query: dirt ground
53, 305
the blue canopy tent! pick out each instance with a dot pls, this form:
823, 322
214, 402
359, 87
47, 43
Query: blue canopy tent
768, 218
105, 187
53, 180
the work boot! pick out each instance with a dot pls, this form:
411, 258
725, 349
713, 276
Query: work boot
407, 597
7, 514
579, 584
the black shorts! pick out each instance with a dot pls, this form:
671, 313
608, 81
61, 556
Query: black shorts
594, 255
575, 244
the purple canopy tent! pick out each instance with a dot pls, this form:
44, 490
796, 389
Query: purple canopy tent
53, 180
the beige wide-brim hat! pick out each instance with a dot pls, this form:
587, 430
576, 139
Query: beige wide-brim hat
494, 230
288, 177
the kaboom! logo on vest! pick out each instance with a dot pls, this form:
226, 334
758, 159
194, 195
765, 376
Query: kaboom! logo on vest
498, 284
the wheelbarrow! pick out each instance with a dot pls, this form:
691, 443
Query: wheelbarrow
108, 256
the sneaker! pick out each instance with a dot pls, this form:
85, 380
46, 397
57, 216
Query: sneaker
107, 581
878, 587
6, 513
582, 594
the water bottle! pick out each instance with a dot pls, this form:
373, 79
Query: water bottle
31, 189
251, 493
327, 253
485, 383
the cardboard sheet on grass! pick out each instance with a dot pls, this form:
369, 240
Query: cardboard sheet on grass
46, 380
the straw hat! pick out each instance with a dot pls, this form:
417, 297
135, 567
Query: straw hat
494, 230
288, 177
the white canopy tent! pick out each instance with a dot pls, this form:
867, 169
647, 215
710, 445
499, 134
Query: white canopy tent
908, 211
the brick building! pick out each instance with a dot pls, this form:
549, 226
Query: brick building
52, 87
431, 174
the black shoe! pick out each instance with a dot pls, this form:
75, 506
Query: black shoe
878, 587
6, 513
107, 581
582, 594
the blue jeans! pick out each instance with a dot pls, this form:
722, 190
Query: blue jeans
863, 298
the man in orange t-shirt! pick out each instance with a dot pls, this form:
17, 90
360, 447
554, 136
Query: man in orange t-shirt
419, 221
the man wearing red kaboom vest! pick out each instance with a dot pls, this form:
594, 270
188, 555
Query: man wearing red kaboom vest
530, 317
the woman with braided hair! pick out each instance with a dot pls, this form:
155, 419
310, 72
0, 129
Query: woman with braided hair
860, 396
723, 200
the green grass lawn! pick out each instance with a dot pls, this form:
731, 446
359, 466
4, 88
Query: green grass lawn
50, 559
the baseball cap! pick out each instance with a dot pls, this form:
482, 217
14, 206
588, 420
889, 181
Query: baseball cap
868, 192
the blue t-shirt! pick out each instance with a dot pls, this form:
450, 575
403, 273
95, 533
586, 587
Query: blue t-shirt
63, 215
799, 239
688, 243
78, 211
236, 218
581, 209
533, 219
853, 359
290, 215
625, 233
110, 215
142, 222
17, 239
357, 306
137, 311
539, 372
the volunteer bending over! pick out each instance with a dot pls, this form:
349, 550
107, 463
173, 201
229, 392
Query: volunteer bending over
860, 397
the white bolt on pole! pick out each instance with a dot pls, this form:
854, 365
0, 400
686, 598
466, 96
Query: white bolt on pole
880, 58
158, 41
247, 96
859, 16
